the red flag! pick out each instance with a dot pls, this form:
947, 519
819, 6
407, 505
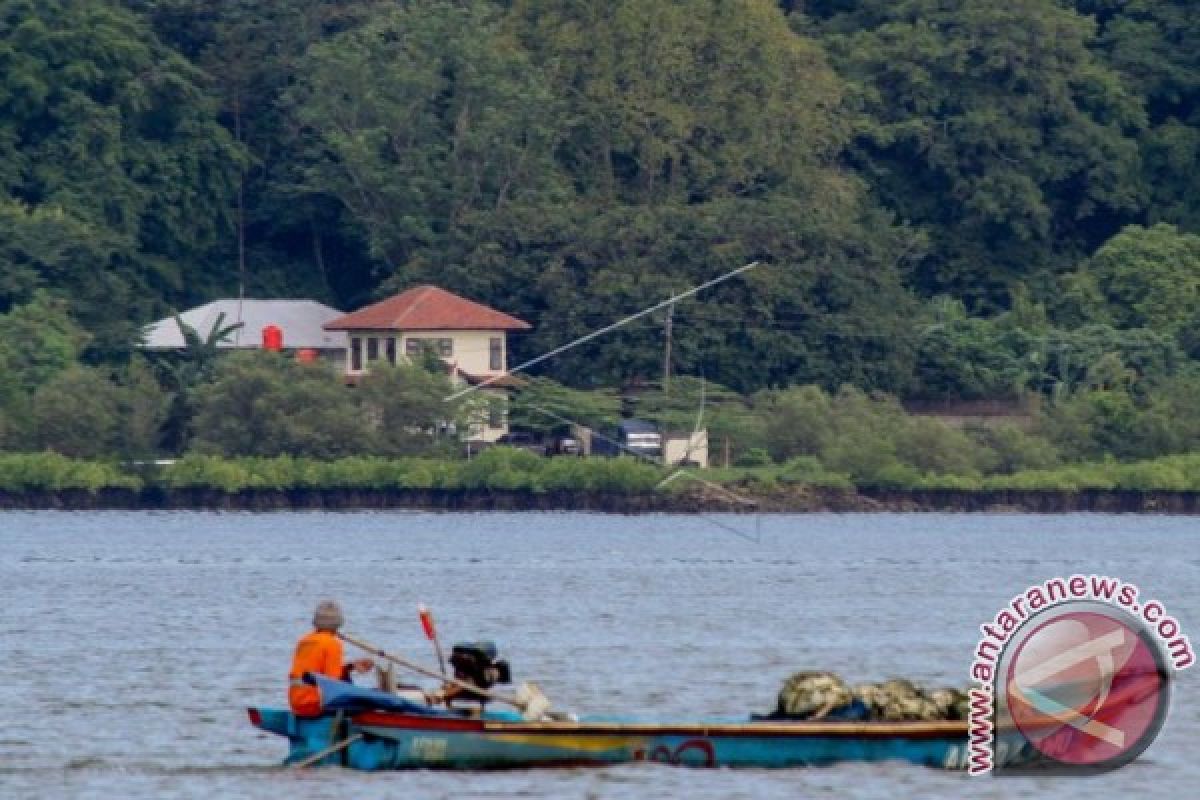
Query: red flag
427, 622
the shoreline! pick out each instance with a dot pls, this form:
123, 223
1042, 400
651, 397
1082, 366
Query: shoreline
794, 500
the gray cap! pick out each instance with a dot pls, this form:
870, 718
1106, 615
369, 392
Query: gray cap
328, 616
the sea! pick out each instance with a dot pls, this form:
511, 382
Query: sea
131, 643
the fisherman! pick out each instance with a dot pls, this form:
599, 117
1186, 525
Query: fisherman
320, 651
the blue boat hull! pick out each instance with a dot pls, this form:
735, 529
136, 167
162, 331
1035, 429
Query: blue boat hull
388, 740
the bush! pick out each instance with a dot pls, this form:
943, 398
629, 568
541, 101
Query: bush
407, 411
809, 471
262, 404
76, 413
797, 421
20, 472
502, 468
966, 483
930, 445
754, 457
862, 455
207, 472
1112, 423
1006, 449
1142, 277
970, 359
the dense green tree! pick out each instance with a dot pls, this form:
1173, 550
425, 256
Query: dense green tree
114, 172
1007, 448
974, 359
826, 305
1072, 359
263, 404
548, 407
523, 175
408, 410
1142, 278
38, 340
427, 119
77, 413
1152, 44
184, 371
282, 241
687, 99
86, 412
995, 127
143, 406
797, 421
971, 358
1091, 425
573, 162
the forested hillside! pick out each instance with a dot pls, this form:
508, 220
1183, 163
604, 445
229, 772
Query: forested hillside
951, 200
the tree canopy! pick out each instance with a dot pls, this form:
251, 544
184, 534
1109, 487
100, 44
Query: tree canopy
571, 162
115, 172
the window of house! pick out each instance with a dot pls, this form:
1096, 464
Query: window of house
390, 347
355, 354
372, 349
496, 353
443, 347
496, 415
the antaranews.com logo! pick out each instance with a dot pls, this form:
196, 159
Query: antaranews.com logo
1073, 675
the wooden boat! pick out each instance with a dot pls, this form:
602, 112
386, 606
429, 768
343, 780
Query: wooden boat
386, 740
388, 733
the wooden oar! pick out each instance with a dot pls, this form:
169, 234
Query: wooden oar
328, 751
535, 700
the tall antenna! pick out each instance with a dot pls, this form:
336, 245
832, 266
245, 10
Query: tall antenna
666, 381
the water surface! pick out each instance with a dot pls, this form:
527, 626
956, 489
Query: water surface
130, 643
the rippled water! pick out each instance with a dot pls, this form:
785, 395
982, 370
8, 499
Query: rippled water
130, 643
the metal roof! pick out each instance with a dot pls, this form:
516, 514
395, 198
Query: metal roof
300, 320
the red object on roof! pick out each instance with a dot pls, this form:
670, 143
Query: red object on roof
272, 338
427, 308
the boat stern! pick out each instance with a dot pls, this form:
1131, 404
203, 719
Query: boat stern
306, 736
272, 720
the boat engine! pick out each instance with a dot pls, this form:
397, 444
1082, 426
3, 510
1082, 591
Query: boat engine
477, 663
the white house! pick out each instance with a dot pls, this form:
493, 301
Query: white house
469, 337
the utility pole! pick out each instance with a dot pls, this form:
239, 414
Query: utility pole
666, 382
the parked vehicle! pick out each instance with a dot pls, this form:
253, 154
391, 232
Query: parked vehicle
565, 446
632, 437
524, 441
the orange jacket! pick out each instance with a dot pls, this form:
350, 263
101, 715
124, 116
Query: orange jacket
319, 651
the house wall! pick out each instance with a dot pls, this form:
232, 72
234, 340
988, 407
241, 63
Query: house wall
470, 350
490, 421
693, 447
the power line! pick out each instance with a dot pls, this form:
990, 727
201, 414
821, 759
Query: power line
594, 334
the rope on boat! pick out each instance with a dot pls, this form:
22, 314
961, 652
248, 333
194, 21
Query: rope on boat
328, 751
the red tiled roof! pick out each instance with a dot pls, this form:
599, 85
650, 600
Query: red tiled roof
427, 308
